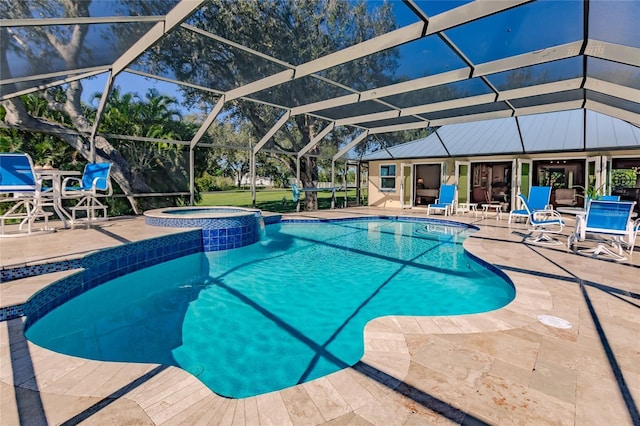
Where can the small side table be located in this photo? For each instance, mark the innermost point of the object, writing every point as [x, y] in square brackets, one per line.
[497, 207]
[578, 211]
[468, 207]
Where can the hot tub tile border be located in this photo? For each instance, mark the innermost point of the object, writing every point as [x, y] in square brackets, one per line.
[217, 233]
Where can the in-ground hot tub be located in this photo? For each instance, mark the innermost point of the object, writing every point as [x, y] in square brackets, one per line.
[222, 227]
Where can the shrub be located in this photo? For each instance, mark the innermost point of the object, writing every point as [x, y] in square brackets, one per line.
[207, 183]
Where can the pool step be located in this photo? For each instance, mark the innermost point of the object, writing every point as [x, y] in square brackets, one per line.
[15, 272]
[14, 294]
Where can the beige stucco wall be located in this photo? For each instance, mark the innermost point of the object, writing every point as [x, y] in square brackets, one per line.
[380, 198]
[388, 198]
[383, 198]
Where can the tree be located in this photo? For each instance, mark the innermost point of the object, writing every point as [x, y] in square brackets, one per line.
[62, 47]
[163, 166]
[233, 156]
[266, 166]
[293, 31]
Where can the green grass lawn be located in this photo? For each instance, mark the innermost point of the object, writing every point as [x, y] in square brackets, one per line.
[272, 200]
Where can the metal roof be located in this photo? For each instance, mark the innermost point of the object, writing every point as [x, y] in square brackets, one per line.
[549, 132]
[458, 62]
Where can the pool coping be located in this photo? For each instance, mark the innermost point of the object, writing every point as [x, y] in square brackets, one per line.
[228, 211]
[387, 355]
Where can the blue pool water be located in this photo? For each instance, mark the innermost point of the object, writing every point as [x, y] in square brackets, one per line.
[283, 311]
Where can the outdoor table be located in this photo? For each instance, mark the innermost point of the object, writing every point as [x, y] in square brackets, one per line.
[468, 207]
[53, 198]
[497, 207]
[578, 211]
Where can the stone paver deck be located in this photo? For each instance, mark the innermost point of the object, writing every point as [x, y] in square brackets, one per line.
[502, 367]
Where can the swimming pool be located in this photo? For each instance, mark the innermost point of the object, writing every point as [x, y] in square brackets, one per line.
[284, 311]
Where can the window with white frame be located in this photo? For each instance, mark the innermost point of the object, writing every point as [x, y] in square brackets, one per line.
[387, 177]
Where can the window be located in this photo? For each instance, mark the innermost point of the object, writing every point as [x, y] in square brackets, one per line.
[388, 177]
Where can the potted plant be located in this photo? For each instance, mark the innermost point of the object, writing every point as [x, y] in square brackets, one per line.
[591, 192]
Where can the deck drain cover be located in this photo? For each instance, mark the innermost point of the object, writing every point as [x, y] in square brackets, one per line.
[552, 321]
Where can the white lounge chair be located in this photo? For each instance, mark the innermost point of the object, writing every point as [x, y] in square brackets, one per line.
[634, 235]
[609, 224]
[544, 222]
[446, 200]
[18, 184]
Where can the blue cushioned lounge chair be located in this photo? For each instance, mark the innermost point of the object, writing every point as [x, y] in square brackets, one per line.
[93, 184]
[609, 224]
[635, 233]
[543, 221]
[539, 197]
[445, 201]
[18, 184]
[296, 192]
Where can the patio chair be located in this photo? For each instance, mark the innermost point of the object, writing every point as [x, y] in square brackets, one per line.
[603, 198]
[539, 197]
[566, 197]
[480, 195]
[542, 221]
[446, 200]
[94, 184]
[18, 184]
[296, 192]
[609, 224]
[635, 232]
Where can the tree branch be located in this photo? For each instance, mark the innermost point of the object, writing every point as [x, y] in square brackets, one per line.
[52, 104]
[26, 51]
[71, 50]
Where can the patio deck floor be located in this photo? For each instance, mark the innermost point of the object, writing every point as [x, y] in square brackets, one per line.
[502, 367]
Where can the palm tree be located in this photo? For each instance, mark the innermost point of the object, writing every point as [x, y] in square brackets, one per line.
[163, 166]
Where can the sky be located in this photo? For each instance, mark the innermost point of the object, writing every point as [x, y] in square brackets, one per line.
[136, 84]
[495, 37]
[130, 83]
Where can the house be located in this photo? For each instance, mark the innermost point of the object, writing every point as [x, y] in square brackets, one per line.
[496, 159]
